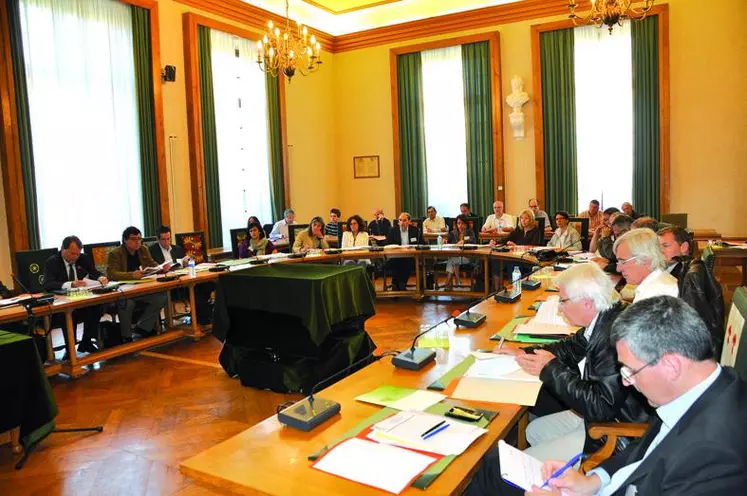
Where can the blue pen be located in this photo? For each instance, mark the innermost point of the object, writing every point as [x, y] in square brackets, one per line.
[562, 469]
[443, 427]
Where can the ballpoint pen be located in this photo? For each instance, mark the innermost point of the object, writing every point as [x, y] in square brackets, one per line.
[562, 469]
[423, 435]
[433, 433]
[500, 345]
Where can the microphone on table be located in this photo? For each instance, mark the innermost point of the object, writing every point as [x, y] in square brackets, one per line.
[308, 413]
[32, 301]
[506, 296]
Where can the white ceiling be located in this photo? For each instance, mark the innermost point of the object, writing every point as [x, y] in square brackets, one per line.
[372, 17]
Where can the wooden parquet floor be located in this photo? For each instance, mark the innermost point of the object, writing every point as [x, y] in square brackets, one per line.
[163, 406]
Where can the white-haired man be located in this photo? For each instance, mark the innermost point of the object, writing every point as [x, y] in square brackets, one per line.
[580, 373]
[695, 444]
[641, 262]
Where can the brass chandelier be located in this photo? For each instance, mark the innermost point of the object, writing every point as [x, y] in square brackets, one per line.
[288, 51]
[610, 12]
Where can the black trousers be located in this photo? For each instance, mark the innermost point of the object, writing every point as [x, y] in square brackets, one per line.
[401, 269]
[89, 316]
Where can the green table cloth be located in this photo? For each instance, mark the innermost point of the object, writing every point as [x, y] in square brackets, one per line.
[318, 295]
[26, 396]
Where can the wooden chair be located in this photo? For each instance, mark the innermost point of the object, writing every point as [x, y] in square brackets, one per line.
[99, 252]
[193, 244]
[293, 231]
[237, 237]
[734, 355]
[30, 268]
[581, 225]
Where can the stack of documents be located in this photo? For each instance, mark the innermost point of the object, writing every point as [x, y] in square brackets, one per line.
[376, 465]
[534, 328]
[497, 379]
[426, 432]
[401, 398]
[518, 468]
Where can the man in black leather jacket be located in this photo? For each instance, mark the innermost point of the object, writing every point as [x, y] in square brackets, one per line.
[697, 285]
[581, 372]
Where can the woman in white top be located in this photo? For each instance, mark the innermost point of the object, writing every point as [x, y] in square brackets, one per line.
[355, 236]
[565, 237]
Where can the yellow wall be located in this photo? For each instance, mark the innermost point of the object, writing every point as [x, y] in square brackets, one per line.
[345, 110]
[708, 83]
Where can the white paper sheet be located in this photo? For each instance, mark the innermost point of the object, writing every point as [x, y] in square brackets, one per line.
[418, 400]
[518, 468]
[508, 390]
[493, 368]
[543, 329]
[406, 429]
[378, 465]
[549, 312]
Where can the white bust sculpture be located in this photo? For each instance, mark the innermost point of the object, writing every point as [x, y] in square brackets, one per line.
[516, 100]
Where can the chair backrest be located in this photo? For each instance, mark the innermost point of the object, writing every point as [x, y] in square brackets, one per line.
[30, 268]
[150, 239]
[734, 353]
[450, 223]
[237, 237]
[193, 244]
[293, 231]
[675, 219]
[267, 228]
[581, 225]
[99, 252]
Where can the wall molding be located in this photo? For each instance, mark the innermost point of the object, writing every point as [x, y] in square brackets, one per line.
[257, 17]
[662, 12]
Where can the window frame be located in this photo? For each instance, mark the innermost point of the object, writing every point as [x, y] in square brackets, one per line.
[190, 22]
[10, 148]
[496, 90]
[662, 13]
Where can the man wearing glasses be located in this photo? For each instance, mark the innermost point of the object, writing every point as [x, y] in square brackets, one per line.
[696, 443]
[641, 262]
[580, 376]
[127, 264]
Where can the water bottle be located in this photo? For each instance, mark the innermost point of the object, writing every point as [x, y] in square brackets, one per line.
[191, 265]
[439, 241]
[516, 280]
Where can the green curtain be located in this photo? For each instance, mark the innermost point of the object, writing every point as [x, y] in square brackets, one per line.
[646, 131]
[146, 119]
[413, 172]
[209, 139]
[559, 120]
[277, 177]
[478, 113]
[24, 123]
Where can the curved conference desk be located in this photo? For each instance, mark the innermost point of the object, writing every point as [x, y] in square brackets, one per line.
[74, 366]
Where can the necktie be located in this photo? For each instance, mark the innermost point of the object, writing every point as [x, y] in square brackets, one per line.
[70, 272]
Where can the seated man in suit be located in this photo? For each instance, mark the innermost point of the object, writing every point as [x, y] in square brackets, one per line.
[580, 376]
[641, 262]
[465, 210]
[403, 234]
[620, 224]
[380, 225]
[126, 263]
[695, 444]
[67, 269]
[164, 251]
[695, 280]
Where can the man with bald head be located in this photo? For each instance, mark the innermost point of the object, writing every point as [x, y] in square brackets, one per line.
[498, 221]
[380, 225]
[534, 206]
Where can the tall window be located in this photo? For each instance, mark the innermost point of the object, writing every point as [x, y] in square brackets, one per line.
[444, 125]
[241, 121]
[604, 115]
[83, 112]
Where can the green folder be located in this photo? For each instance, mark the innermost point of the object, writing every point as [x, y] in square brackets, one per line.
[456, 371]
[507, 333]
[432, 473]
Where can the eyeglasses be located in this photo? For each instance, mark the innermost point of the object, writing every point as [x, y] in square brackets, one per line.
[628, 374]
[623, 262]
[563, 300]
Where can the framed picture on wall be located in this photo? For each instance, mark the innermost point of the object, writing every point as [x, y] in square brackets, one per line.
[366, 166]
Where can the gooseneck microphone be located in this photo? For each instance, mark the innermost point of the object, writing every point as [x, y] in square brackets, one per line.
[306, 414]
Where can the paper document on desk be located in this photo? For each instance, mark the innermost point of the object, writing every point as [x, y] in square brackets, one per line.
[90, 283]
[406, 429]
[533, 328]
[518, 468]
[493, 368]
[549, 312]
[382, 466]
[401, 398]
[508, 390]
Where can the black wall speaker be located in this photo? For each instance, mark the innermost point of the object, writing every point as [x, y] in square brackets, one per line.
[168, 74]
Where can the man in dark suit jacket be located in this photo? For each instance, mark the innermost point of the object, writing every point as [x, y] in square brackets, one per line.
[698, 442]
[402, 234]
[163, 249]
[380, 225]
[67, 269]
